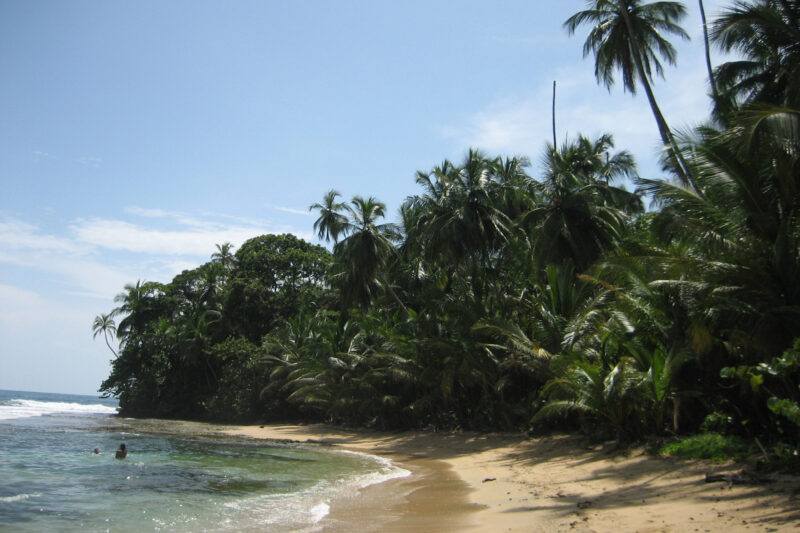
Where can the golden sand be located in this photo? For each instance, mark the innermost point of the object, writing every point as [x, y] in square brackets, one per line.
[503, 482]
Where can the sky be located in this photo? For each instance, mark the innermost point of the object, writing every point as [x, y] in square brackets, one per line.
[135, 136]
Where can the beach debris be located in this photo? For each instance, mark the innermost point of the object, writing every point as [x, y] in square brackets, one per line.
[584, 504]
[743, 477]
[488, 479]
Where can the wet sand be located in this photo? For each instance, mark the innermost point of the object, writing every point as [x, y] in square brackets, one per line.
[503, 482]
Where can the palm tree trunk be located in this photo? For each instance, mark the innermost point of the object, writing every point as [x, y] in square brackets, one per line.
[554, 115]
[397, 299]
[676, 413]
[105, 335]
[711, 81]
[663, 128]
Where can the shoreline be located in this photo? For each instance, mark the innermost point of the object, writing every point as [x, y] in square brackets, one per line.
[487, 483]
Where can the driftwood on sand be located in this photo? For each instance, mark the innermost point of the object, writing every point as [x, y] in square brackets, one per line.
[743, 477]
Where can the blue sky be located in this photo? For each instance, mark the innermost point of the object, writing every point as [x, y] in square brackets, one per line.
[134, 136]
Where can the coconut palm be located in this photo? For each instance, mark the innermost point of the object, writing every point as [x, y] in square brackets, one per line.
[363, 255]
[765, 33]
[626, 35]
[461, 216]
[331, 221]
[707, 45]
[224, 255]
[105, 323]
[579, 215]
[137, 304]
[746, 245]
[608, 397]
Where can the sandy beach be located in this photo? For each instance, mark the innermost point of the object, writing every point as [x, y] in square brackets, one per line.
[505, 482]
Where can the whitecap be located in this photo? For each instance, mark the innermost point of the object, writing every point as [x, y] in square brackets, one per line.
[19, 408]
[319, 511]
[19, 497]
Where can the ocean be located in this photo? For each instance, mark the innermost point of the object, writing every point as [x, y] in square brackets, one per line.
[173, 479]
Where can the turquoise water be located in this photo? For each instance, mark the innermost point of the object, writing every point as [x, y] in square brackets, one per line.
[51, 481]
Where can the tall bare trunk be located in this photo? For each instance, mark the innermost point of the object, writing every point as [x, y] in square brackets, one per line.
[684, 173]
[554, 116]
[711, 80]
[676, 413]
[397, 299]
[105, 334]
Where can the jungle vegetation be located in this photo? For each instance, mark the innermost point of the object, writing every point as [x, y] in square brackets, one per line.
[507, 298]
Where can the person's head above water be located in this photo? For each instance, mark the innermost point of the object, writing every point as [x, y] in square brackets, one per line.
[122, 452]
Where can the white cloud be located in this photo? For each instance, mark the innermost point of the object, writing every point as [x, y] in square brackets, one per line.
[294, 211]
[90, 161]
[197, 241]
[19, 235]
[177, 216]
[521, 124]
[96, 257]
[39, 155]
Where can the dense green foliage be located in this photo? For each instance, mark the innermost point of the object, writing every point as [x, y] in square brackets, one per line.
[509, 299]
[712, 446]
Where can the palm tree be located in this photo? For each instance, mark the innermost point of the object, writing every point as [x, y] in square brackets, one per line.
[136, 303]
[766, 33]
[364, 254]
[105, 323]
[224, 255]
[461, 215]
[331, 222]
[627, 35]
[610, 397]
[707, 46]
[579, 214]
[746, 245]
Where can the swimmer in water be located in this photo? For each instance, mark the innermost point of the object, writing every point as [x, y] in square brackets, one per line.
[122, 453]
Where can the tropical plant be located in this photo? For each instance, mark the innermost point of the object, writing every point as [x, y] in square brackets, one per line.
[607, 397]
[626, 35]
[579, 215]
[331, 222]
[460, 216]
[363, 255]
[765, 34]
[105, 323]
[224, 255]
[139, 305]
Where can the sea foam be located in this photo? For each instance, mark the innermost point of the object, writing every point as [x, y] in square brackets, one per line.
[17, 408]
[311, 506]
[19, 497]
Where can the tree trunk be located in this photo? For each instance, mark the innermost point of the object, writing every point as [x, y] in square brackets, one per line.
[711, 81]
[676, 414]
[663, 128]
[554, 116]
[397, 299]
[105, 335]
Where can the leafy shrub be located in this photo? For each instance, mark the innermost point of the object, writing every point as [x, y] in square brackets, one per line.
[714, 446]
[717, 422]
